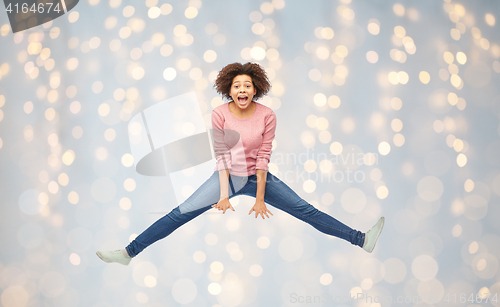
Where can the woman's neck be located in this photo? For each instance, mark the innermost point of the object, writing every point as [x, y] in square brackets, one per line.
[242, 113]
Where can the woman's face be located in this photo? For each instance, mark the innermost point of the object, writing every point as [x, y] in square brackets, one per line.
[242, 91]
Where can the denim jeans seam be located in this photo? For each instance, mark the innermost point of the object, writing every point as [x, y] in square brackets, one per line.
[317, 222]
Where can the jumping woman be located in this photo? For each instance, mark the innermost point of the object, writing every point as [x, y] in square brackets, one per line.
[255, 125]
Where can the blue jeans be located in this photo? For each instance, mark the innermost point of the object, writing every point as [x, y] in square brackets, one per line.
[277, 194]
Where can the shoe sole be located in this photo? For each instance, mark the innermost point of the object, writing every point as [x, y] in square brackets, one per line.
[98, 255]
[378, 233]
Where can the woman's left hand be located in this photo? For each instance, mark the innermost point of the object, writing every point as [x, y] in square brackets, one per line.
[260, 208]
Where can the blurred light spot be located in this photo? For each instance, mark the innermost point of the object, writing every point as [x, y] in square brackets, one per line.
[142, 298]
[430, 188]
[396, 125]
[212, 28]
[166, 8]
[456, 231]
[369, 158]
[101, 153]
[382, 192]
[314, 75]
[232, 224]
[455, 34]
[52, 284]
[372, 57]
[214, 288]
[75, 107]
[325, 279]
[73, 197]
[376, 174]
[267, 8]
[14, 296]
[461, 58]
[191, 12]
[154, 12]
[129, 184]
[199, 257]
[255, 270]
[63, 179]
[309, 186]
[325, 137]
[128, 11]
[384, 148]
[353, 200]
[334, 101]
[110, 134]
[216, 267]
[258, 53]
[307, 139]
[327, 199]
[104, 109]
[327, 33]
[398, 9]
[50, 114]
[398, 139]
[127, 160]
[169, 74]
[150, 281]
[183, 64]
[125, 203]
[310, 166]
[322, 52]
[263, 242]
[73, 17]
[424, 267]
[473, 247]
[424, 77]
[336, 148]
[72, 64]
[211, 239]
[461, 160]
[374, 26]
[68, 157]
[399, 31]
[74, 259]
[210, 56]
[347, 125]
[490, 19]
[77, 132]
[396, 103]
[395, 270]
[290, 249]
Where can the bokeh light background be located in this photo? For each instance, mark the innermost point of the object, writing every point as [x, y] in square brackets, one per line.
[413, 84]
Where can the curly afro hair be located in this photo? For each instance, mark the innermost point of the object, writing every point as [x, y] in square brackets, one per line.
[226, 75]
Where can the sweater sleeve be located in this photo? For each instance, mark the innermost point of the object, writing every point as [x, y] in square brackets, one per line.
[222, 150]
[264, 154]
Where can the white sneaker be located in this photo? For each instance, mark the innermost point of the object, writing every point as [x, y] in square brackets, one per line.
[371, 235]
[113, 256]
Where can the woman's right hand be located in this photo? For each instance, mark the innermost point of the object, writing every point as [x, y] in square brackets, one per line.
[223, 205]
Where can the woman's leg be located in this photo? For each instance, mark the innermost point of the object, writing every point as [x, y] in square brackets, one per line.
[200, 201]
[279, 195]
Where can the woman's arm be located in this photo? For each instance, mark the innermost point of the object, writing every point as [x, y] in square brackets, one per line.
[224, 183]
[263, 157]
[260, 205]
[224, 203]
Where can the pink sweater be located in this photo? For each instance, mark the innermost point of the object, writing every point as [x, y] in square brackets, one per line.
[243, 154]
